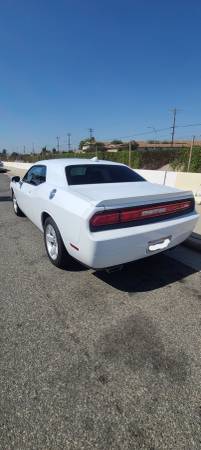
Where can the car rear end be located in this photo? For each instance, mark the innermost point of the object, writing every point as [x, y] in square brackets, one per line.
[116, 235]
[130, 220]
[139, 238]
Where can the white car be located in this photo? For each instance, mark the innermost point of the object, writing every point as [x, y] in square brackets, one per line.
[101, 213]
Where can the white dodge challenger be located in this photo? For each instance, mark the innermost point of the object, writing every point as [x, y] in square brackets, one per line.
[101, 213]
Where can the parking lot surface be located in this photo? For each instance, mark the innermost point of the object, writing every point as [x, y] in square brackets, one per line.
[90, 360]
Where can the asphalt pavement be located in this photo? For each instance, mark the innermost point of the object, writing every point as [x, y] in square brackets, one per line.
[90, 360]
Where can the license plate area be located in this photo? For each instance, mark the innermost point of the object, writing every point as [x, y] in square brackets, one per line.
[159, 244]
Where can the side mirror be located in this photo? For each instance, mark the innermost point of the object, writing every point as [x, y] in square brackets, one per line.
[15, 179]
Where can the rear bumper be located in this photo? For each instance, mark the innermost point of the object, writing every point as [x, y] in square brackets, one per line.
[113, 247]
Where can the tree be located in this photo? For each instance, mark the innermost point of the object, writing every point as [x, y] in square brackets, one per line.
[116, 142]
[134, 145]
[86, 141]
[4, 152]
[83, 142]
[44, 150]
[100, 146]
[14, 155]
[54, 150]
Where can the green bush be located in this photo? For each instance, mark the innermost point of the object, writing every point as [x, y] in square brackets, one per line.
[182, 159]
[140, 159]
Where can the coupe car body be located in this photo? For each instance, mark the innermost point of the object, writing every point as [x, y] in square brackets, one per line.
[101, 213]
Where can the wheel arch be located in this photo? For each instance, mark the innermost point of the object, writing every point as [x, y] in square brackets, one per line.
[44, 216]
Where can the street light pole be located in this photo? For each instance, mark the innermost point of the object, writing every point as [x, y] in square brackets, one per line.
[69, 141]
[58, 147]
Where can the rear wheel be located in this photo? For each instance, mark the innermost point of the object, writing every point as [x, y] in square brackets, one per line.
[54, 245]
[16, 208]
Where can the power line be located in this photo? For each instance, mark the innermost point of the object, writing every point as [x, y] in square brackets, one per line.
[152, 130]
[138, 134]
[158, 130]
[188, 125]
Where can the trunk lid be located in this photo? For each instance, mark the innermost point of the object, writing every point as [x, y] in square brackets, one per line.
[118, 195]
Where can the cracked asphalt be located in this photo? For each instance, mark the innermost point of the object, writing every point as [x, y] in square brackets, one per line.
[90, 360]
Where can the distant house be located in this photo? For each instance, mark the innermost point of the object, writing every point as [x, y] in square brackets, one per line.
[86, 147]
[112, 150]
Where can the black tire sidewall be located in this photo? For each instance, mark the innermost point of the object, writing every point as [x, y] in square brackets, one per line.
[63, 256]
[18, 212]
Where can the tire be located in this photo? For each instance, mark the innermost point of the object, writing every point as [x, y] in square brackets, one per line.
[16, 208]
[54, 245]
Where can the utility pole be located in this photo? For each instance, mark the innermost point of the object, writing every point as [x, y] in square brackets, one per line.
[129, 153]
[58, 146]
[173, 125]
[24, 149]
[69, 141]
[33, 149]
[190, 154]
[91, 131]
[175, 111]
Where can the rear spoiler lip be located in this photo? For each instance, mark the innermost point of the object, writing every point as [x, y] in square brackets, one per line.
[147, 220]
[144, 200]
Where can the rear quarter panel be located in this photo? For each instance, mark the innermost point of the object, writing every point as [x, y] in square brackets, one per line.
[67, 210]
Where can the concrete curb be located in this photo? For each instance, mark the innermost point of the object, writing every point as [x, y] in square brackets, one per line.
[194, 242]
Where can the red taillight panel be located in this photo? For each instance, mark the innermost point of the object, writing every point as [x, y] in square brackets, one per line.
[140, 214]
[129, 215]
[101, 219]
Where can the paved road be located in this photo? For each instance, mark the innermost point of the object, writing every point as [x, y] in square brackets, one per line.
[95, 361]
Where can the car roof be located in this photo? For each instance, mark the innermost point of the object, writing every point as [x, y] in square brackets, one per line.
[63, 162]
[55, 168]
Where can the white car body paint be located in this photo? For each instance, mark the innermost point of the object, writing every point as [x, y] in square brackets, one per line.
[71, 207]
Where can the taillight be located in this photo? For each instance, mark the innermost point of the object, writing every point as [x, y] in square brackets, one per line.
[104, 219]
[138, 215]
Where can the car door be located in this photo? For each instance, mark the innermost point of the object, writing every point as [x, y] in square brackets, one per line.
[28, 195]
[21, 190]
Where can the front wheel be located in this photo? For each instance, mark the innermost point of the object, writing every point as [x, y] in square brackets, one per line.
[54, 245]
[16, 208]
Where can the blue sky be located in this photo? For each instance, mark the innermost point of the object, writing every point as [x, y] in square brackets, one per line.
[116, 66]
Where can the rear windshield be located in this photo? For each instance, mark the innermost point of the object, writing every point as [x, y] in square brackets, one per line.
[100, 173]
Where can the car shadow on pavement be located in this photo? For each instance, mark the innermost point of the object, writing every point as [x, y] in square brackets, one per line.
[147, 274]
[5, 198]
[74, 266]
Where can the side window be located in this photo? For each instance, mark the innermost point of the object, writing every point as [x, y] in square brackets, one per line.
[36, 175]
